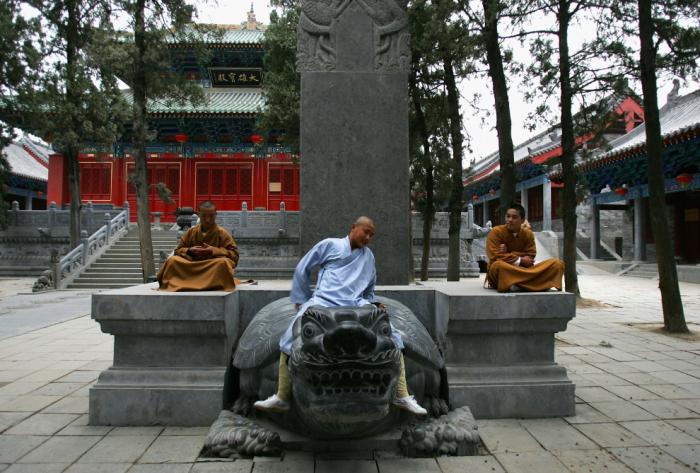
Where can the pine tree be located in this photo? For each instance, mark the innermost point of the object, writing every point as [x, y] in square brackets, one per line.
[19, 60]
[145, 66]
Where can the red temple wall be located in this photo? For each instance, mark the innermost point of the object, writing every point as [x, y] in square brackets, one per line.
[227, 180]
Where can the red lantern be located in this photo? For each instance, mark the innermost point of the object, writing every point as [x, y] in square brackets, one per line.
[256, 139]
[621, 191]
[684, 179]
[39, 193]
[181, 138]
[475, 198]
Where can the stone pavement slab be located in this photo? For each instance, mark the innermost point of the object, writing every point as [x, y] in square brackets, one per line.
[479, 464]
[60, 450]
[13, 447]
[501, 436]
[238, 466]
[659, 432]
[622, 411]
[155, 468]
[591, 461]
[611, 435]
[408, 465]
[530, 462]
[690, 455]
[118, 449]
[557, 434]
[42, 424]
[36, 468]
[284, 467]
[665, 409]
[173, 449]
[346, 466]
[99, 468]
[649, 460]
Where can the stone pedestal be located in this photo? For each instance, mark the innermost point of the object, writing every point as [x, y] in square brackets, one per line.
[171, 349]
[500, 351]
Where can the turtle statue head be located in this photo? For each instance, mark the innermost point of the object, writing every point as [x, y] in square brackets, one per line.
[344, 368]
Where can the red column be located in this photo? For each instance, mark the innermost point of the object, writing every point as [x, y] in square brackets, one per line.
[187, 183]
[57, 186]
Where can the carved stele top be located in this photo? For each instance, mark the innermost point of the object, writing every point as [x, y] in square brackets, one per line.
[318, 42]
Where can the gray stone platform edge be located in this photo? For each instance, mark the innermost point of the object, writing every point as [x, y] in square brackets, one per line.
[171, 349]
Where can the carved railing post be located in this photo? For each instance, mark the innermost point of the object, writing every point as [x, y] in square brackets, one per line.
[85, 245]
[52, 217]
[244, 214]
[126, 208]
[470, 217]
[108, 223]
[55, 269]
[15, 213]
[283, 219]
[156, 220]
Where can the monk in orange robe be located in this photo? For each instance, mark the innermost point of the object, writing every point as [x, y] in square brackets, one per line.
[511, 251]
[204, 260]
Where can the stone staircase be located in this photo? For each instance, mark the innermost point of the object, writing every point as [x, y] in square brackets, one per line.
[583, 243]
[120, 265]
[644, 270]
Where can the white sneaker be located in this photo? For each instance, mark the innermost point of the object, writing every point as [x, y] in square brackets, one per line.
[409, 404]
[272, 404]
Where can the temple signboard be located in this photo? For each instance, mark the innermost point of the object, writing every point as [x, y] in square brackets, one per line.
[235, 77]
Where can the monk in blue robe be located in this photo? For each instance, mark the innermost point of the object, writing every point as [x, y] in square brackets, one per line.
[347, 277]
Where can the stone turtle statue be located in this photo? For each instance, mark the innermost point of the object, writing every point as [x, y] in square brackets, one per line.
[344, 368]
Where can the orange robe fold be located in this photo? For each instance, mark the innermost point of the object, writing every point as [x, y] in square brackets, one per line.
[502, 271]
[181, 273]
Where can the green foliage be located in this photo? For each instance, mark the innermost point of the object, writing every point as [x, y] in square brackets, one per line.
[281, 83]
[19, 60]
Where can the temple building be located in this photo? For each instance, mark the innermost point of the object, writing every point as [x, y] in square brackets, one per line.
[617, 182]
[613, 218]
[210, 151]
[29, 170]
[535, 161]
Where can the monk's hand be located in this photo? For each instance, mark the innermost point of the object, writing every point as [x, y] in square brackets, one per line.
[199, 252]
[207, 251]
[502, 248]
[296, 306]
[526, 261]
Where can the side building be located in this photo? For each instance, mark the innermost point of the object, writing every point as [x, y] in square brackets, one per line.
[27, 180]
[208, 151]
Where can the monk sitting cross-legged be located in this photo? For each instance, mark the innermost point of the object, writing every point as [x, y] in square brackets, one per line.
[511, 251]
[204, 260]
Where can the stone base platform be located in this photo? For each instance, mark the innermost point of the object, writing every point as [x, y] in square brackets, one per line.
[171, 349]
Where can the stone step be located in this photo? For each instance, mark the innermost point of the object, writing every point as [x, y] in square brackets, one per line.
[643, 274]
[106, 285]
[122, 280]
[113, 275]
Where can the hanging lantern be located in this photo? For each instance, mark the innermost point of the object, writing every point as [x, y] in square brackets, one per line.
[621, 191]
[256, 139]
[475, 197]
[39, 193]
[492, 191]
[684, 179]
[181, 138]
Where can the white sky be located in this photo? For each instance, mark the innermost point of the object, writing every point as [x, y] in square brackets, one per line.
[483, 136]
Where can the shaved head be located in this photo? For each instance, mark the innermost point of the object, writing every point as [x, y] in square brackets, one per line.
[207, 204]
[364, 221]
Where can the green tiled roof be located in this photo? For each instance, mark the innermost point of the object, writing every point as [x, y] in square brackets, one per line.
[217, 102]
[226, 34]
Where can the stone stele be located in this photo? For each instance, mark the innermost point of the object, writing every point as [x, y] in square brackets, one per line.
[353, 56]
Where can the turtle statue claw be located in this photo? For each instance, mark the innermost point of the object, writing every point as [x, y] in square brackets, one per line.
[344, 368]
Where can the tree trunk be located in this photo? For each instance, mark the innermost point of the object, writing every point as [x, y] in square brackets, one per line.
[74, 192]
[72, 150]
[502, 105]
[568, 150]
[140, 135]
[674, 319]
[453, 258]
[429, 211]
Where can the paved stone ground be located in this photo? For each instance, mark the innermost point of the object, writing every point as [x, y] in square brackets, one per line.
[638, 395]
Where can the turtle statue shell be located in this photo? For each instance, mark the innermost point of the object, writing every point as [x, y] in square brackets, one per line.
[344, 366]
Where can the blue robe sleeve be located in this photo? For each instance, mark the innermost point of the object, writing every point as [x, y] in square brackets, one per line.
[369, 291]
[301, 283]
